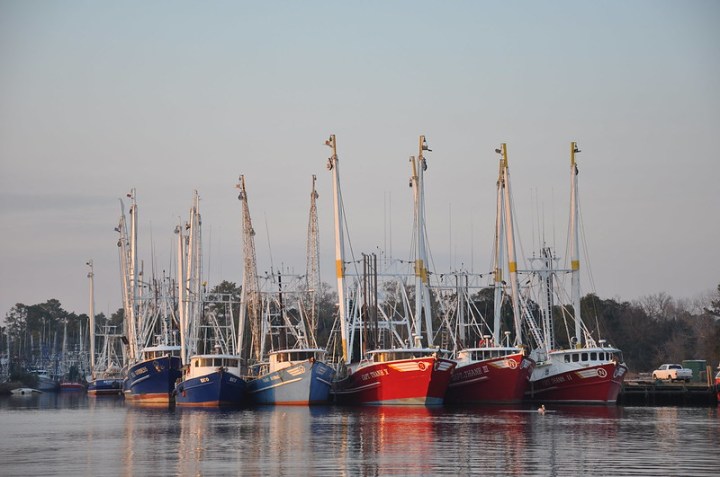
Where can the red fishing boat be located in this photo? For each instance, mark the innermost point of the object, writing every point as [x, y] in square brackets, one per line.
[491, 372]
[397, 376]
[406, 372]
[498, 375]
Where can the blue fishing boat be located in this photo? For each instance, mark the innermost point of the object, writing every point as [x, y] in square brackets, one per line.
[152, 380]
[211, 380]
[105, 387]
[293, 376]
[286, 365]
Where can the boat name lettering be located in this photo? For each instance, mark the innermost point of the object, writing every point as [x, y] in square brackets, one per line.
[205, 380]
[558, 379]
[140, 371]
[375, 374]
[470, 373]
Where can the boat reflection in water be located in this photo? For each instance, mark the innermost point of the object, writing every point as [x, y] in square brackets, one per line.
[388, 440]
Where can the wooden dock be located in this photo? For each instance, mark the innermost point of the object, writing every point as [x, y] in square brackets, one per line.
[651, 393]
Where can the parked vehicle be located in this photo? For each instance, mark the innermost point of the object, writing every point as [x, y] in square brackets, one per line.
[673, 372]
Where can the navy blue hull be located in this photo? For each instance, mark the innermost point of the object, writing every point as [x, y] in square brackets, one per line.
[211, 390]
[105, 387]
[152, 381]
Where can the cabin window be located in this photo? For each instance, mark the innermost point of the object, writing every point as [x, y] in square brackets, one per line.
[593, 356]
[567, 358]
[584, 357]
[575, 358]
[197, 363]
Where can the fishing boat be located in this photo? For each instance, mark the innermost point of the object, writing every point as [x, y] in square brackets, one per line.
[152, 379]
[286, 366]
[491, 371]
[106, 377]
[292, 377]
[71, 386]
[105, 373]
[211, 380]
[589, 371]
[407, 372]
[45, 381]
[154, 363]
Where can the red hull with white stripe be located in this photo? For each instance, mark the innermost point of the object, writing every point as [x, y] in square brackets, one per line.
[589, 382]
[500, 380]
[419, 381]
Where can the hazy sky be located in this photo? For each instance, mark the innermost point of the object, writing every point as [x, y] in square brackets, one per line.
[168, 97]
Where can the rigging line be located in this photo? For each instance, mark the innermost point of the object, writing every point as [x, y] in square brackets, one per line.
[347, 229]
[267, 233]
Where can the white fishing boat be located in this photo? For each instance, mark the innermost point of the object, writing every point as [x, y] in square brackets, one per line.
[589, 370]
[286, 365]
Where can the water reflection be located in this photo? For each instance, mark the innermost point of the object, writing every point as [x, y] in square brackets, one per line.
[386, 440]
[73, 435]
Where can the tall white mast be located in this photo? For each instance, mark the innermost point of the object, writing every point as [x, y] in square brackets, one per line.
[334, 167]
[91, 323]
[126, 245]
[510, 243]
[575, 245]
[133, 275]
[182, 309]
[499, 255]
[422, 292]
[191, 281]
[250, 300]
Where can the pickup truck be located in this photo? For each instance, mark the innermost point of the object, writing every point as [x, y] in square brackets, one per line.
[673, 372]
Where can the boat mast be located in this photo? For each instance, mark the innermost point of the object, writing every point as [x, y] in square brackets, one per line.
[250, 298]
[575, 245]
[422, 295]
[181, 291]
[193, 278]
[133, 272]
[510, 245]
[91, 321]
[313, 262]
[499, 262]
[334, 168]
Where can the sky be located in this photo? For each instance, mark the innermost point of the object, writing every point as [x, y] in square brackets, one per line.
[169, 97]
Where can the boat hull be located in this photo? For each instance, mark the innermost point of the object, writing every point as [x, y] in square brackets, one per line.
[152, 381]
[303, 383]
[419, 381]
[46, 383]
[105, 387]
[216, 389]
[598, 384]
[501, 380]
[71, 386]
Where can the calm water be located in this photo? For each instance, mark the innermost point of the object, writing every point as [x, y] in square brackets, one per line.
[71, 434]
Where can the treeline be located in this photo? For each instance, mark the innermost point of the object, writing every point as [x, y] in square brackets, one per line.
[650, 331]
